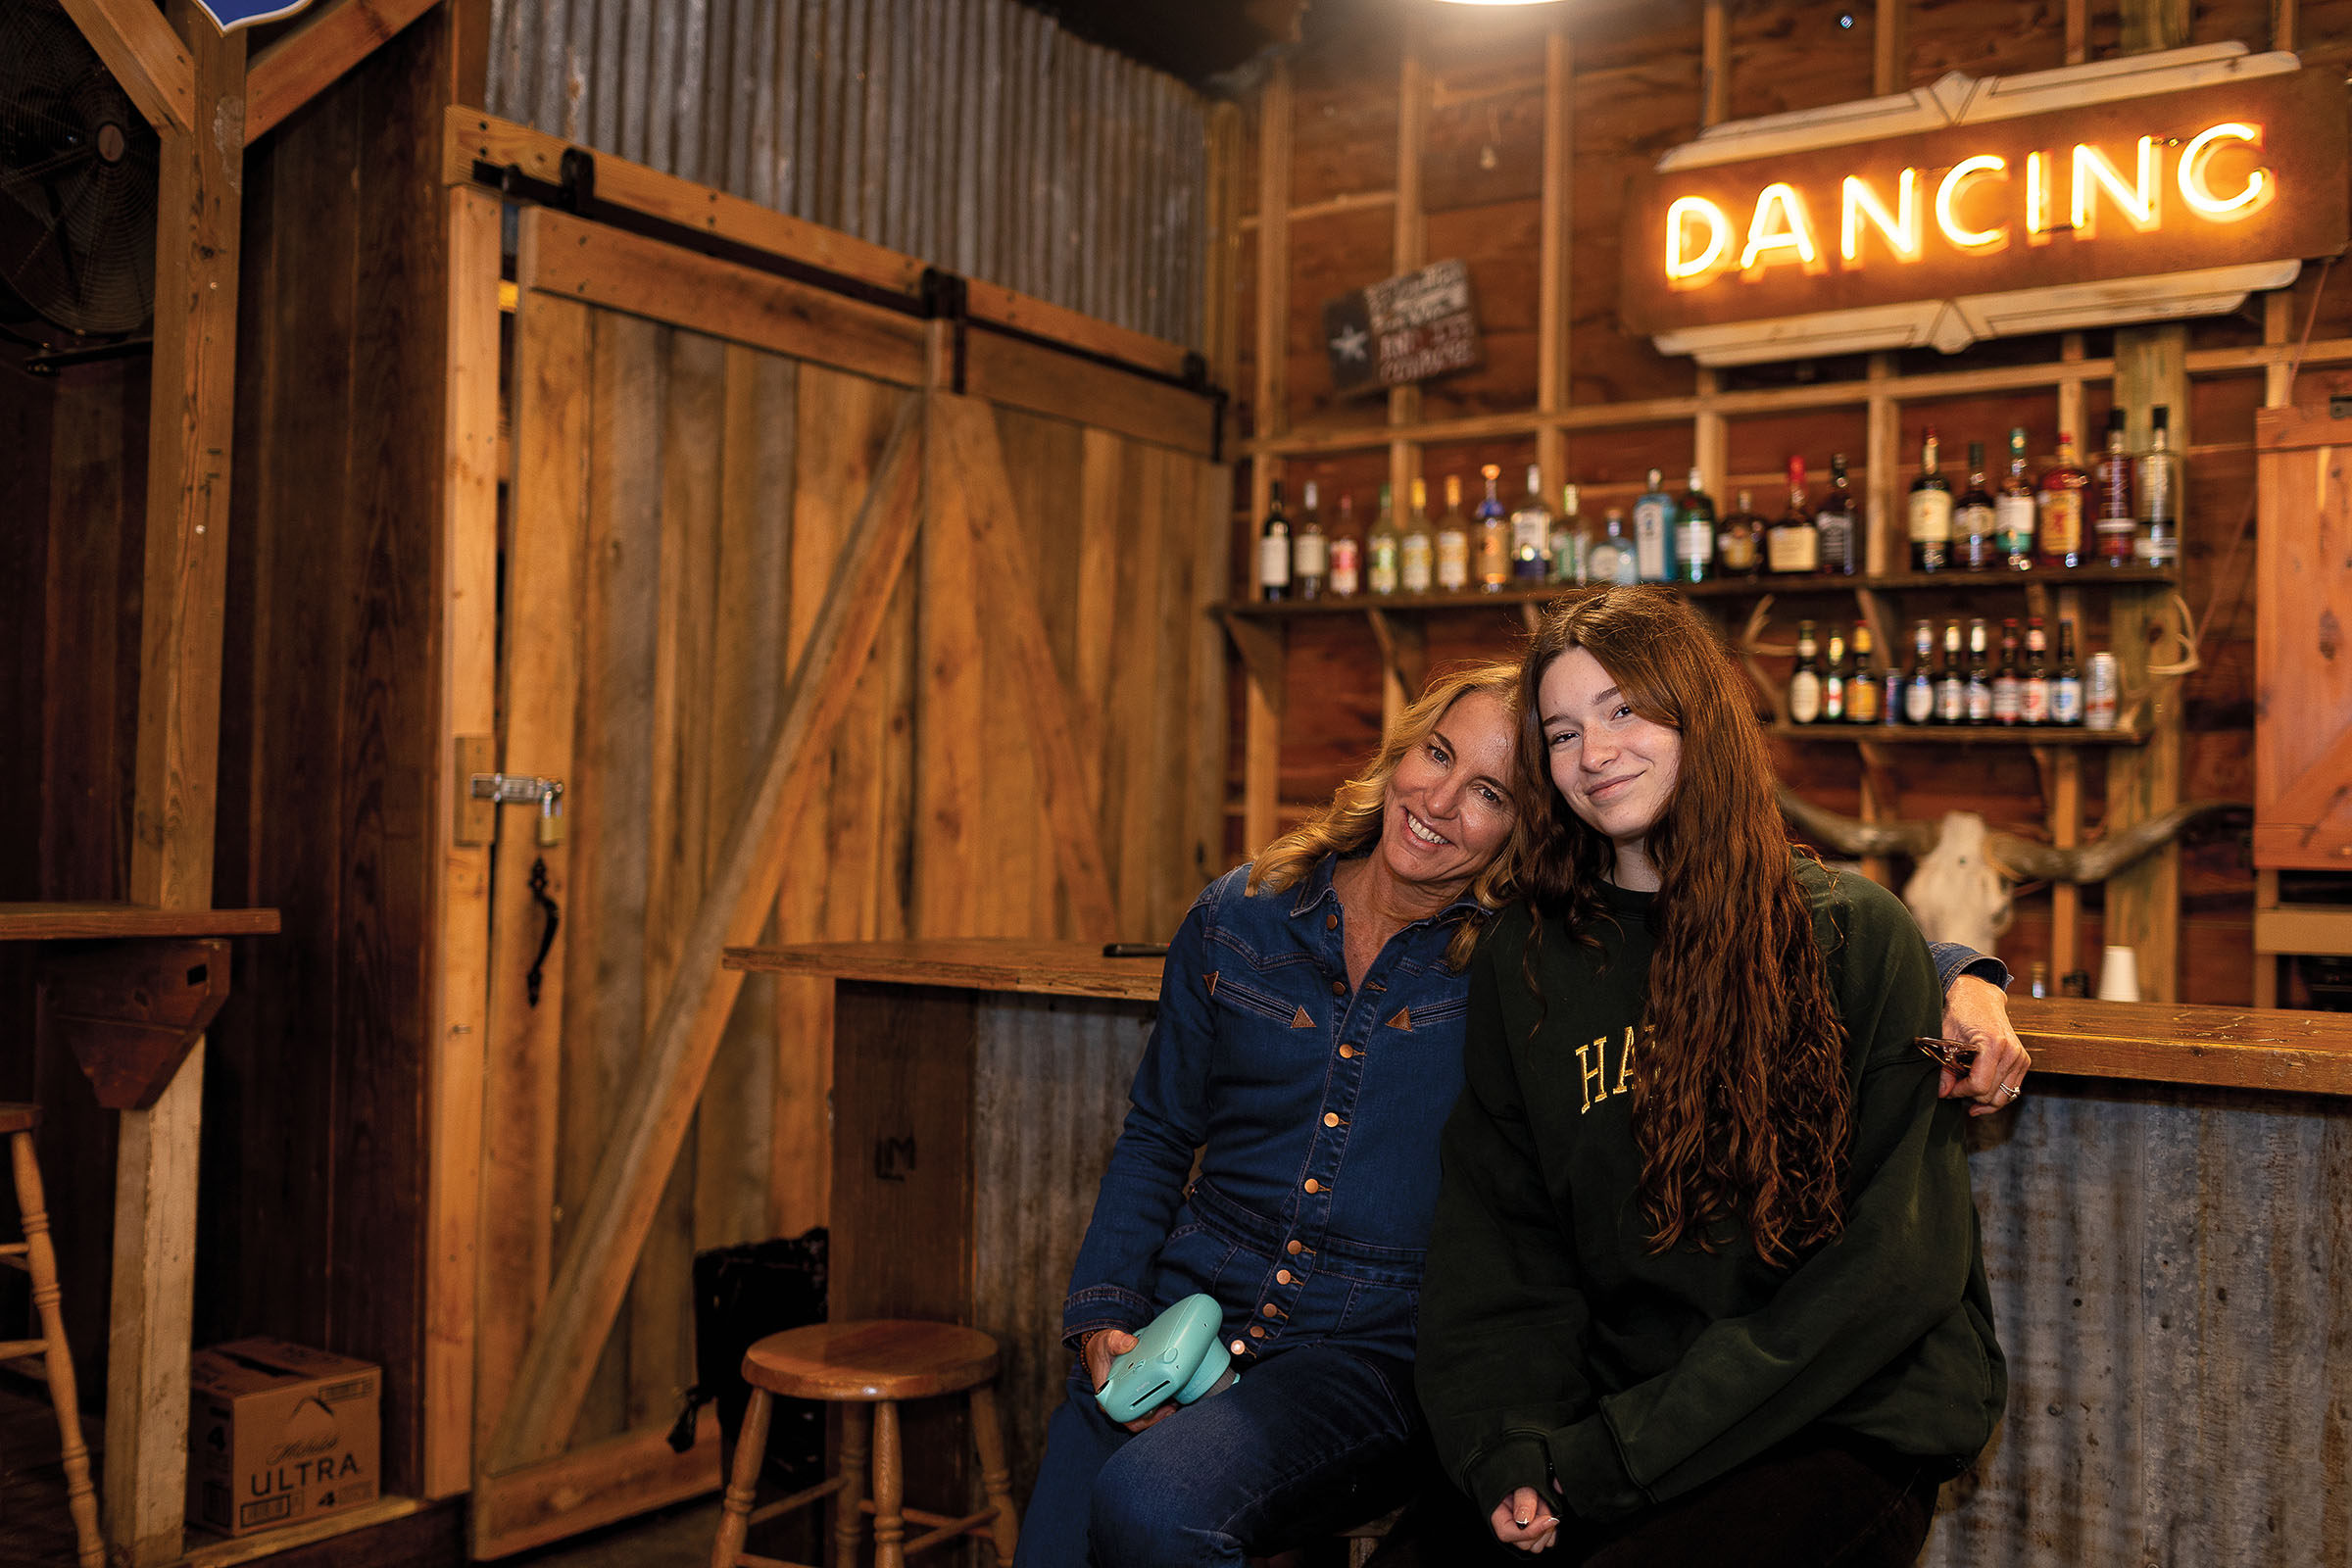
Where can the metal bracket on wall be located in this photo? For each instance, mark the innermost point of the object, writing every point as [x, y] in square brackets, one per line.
[518, 789]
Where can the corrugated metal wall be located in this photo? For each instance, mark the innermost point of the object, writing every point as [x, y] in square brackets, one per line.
[974, 134]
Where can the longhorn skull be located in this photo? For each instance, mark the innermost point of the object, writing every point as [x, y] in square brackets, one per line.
[1960, 890]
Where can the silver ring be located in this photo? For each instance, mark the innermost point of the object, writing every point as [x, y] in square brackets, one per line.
[2014, 1091]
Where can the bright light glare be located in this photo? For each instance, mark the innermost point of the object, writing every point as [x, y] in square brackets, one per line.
[2200, 196]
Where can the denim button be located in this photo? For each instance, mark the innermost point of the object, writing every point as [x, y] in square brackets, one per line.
[1331, 1118]
[1339, 987]
[1295, 1247]
[1313, 1186]
[1331, 922]
[1346, 1052]
[1241, 1346]
[1282, 1276]
[1268, 1309]
[1257, 1332]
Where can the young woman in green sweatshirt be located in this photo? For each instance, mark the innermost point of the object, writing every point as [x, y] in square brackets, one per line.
[1704, 1282]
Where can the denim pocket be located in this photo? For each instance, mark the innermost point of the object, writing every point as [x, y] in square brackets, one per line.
[1243, 997]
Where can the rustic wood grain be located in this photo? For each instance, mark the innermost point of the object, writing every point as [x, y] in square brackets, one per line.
[145, 55]
[329, 42]
[67, 920]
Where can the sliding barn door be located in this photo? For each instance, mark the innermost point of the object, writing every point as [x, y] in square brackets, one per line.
[1020, 732]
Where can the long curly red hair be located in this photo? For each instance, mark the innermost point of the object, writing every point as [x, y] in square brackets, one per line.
[1741, 1110]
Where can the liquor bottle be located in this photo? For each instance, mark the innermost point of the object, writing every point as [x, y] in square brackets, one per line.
[1311, 551]
[2015, 508]
[1694, 535]
[1891, 682]
[1386, 550]
[1793, 543]
[1951, 682]
[1347, 552]
[2118, 524]
[1930, 511]
[1653, 531]
[2034, 708]
[1571, 541]
[1833, 526]
[2065, 685]
[1978, 700]
[1804, 682]
[1740, 541]
[1918, 688]
[1274, 550]
[2160, 493]
[1612, 556]
[2061, 516]
[1976, 528]
[1833, 683]
[2008, 685]
[1531, 532]
[1453, 541]
[1862, 691]
[1417, 551]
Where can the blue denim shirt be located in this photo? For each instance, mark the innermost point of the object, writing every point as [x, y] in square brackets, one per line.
[1317, 1112]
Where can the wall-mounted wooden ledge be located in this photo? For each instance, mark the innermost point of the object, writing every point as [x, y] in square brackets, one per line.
[56, 922]
[2295, 1053]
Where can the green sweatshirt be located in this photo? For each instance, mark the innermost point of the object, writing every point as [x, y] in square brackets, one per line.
[1557, 1351]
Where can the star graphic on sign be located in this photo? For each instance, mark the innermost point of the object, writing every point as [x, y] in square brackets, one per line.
[1352, 344]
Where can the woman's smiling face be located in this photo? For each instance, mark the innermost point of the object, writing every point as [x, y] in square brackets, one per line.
[1450, 809]
[1615, 769]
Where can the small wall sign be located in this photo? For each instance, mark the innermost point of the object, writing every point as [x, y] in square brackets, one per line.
[1403, 329]
[2145, 187]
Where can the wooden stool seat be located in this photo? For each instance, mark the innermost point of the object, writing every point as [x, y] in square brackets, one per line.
[867, 1368]
[17, 1118]
[886, 1359]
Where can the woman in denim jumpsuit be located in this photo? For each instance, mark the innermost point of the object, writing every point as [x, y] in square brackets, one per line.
[1313, 1072]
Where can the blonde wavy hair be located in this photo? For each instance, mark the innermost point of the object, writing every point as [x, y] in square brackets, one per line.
[1353, 820]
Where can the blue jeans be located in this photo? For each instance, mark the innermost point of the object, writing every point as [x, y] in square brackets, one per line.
[1308, 1442]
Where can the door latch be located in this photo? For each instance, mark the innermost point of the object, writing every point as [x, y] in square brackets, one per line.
[523, 789]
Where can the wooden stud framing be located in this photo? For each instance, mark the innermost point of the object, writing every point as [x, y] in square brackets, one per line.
[1260, 647]
[199, 213]
[470, 698]
[329, 42]
[594, 1271]
[1409, 247]
[144, 54]
[1555, 242]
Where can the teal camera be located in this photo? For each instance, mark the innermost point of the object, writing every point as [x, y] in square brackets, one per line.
[1177, 1356]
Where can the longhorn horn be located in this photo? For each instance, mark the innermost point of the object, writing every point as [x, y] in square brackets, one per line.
[2022, 859]
[1849, 836]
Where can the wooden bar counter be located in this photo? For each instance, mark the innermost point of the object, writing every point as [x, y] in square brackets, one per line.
[2166, 1226]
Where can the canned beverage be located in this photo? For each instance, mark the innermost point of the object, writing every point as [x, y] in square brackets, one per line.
[2100, 692]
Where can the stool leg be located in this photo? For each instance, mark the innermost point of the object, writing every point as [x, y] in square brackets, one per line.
[848, 1525]
[996, 1477]
[41, 1258]
[735, 1509]
[890, 1483]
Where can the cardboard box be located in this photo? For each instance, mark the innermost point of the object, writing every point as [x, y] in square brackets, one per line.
[279, 1432]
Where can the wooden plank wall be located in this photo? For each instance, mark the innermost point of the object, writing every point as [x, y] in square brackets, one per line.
[678, 503]
[1636, 90]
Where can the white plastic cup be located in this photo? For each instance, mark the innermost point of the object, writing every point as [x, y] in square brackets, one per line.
[2119, 975]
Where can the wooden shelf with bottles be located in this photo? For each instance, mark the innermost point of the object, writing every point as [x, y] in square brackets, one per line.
[2035, 735]
[1744, 587]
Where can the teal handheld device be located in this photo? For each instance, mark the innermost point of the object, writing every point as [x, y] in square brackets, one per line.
[1177, 1356]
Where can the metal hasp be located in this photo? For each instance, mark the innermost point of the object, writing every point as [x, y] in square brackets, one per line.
[524, 789]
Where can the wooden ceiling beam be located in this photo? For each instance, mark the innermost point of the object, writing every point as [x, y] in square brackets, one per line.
[145, 55]
[311, 58]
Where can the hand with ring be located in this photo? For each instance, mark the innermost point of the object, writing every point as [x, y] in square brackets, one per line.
[1976, 1013]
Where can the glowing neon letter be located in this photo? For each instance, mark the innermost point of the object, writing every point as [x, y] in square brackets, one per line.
[1780, 223]
[1859, 201]
[2037, 198]
[2259, 187]
[1947, 197]
[2093, 174]
[1681, 268]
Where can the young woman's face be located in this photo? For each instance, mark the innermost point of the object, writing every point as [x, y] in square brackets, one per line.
[1615, 769]
[1449, 809]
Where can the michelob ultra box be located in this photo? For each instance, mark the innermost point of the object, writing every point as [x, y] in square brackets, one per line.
[277, 1431]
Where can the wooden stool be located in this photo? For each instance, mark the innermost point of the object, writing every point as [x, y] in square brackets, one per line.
[37, 1257]
[855, 1365]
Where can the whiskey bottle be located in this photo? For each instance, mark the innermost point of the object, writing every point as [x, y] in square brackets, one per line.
[1836, 537]
[1804, 682]
[1794, 544]
[1274, 550]
[2061, 516]
[1311, 551]
[1694, 535]
[1453, 541]
[1740, 541]
[2160, 493]
[2118, 525]
[1493, 535]
[1930, 511]
[2014, 510]
[1385, 564]
[1974, 522]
